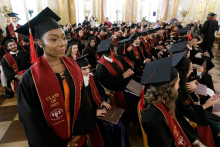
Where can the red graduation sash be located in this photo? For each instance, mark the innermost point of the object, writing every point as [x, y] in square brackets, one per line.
[179, 136]
[131, 63]
[12, 33]
[155, 39]
[51, 96]
[146, 46]
[96, 54]
[204, 131]
[136, 52]
[95, 136]
[161, 38]
[13, 65]
[166, 33]
[152, 43]
[119, 94]
[116, 42]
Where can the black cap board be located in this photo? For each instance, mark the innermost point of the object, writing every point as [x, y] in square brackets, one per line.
[73, 41]
[82, 61]
[144, 33]
[6, 40]
[1, 31]
[45, 21]
[183, 30]
[79, 24]
[133, 37]
[104, 45]
[117, 29]
[12, 14]
[133, 26]
[211, 14]
[115, 25]
[74, 25]
[78, 29]
[159, 72]
[177, 57]
[104, 29]
[178, 47]
[25, 38]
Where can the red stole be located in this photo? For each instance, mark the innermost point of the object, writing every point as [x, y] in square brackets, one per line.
[161, 38]
[51, 96]
[152, 43]
[136, 52]
[131, 63]
[95, 136]
[211, 18]
[21, 44]
[78, 55]
[155, 39]
[12, 63]
[96, 54]
[179, 136]
[116, 42]
[119, 94]
[166, 33]
[146, 46]
[189, 37]
[12, 33]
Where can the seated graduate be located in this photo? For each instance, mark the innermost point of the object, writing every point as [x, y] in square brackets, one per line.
[73, 51]
[132, 29]
[97, 36]
[112, 75]
[157, 106]
[146, 45]
[79, 38]
[110, 135]
[91, 49]
[25, 43]
[125, 33]
[123, 56]
[197, 114]
[104, 33]
[54, 111]
[137, 53]
[153, 44]
[15, 62]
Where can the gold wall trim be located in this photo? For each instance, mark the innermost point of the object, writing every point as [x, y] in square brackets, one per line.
[63, 9]
[72, 11]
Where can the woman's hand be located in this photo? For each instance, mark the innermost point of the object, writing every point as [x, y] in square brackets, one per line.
[211, 101]
[73, 141]
[200, 69]
[198, 144]
[191, 86]
[101, 112]
[106, 105]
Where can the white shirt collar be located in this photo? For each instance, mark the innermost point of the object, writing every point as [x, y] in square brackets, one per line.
[135, 45]
[86, 80]
[108, 59]
[190, 48]
[13, 52]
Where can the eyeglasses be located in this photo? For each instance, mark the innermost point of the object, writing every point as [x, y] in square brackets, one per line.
[12, 45]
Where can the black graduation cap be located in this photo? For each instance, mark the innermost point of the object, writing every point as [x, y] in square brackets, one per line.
[150, 31]
[25, 38]
[144, 33]
[211, 14]
[145, 26]
[73, 41]
[159, 72]
[177, 57]
[139, 27]
[12, 14]
[178, 47]
[132, 26]
[95, 29]
[117, 29]
[122, 43]
[82, 61]
[45, 21]
[123, 24]
[104, 45]
[104, 29]
[74, 25]
[183, 31]
[100, 25]
[133, 36]
[6, 40]
[105, 24]
[109, 35]
[78, 29]
[79, 24]
[115, 24]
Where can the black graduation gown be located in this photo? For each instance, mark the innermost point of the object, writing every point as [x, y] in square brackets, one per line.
[146, 54]
[139, 63]
[23, 62]
[39, 134]
[113, 135]
[158, 131]
[117, 83]
[91, 55]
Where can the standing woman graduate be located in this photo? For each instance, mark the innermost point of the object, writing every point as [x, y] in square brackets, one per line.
[52, 101]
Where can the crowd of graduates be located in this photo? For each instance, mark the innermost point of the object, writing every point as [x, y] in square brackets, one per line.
[67, 76]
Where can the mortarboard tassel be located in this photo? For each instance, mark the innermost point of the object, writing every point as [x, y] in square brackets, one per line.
[34, 57]
[113, 59]
[141, 105]
[75, 35]
[124, 49]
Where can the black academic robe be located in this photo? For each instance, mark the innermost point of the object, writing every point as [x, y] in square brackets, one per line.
[138, 62]
[117, 83]
[158, 131]
[39, 134]
[91, 55]
[113, 135]
[22, 59]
